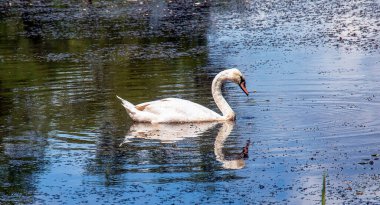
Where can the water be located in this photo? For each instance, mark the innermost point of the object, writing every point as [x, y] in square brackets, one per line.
[65, 138]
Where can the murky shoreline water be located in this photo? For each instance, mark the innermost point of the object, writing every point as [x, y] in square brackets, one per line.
[313, 65]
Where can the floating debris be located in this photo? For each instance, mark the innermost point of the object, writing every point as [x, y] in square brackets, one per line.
[359, 193]
[244, 153]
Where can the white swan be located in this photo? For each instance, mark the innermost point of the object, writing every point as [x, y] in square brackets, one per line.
[177, 110]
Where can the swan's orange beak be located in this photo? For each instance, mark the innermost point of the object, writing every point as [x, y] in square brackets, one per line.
[242, 86]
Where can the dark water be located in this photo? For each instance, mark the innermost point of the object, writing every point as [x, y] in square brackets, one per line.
[65, 138]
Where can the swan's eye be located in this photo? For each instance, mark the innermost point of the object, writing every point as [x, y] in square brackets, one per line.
[242, 80]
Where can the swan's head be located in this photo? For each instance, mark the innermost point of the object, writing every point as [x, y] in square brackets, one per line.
[237, 77]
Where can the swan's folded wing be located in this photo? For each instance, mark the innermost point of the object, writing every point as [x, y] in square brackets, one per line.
[150, 106]
[178, 110]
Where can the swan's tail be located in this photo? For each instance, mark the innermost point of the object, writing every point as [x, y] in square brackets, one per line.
[131, 109]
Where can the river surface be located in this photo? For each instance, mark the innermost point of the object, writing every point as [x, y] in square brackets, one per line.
[312, 69]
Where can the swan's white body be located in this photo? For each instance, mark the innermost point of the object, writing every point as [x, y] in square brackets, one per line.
[171, 110]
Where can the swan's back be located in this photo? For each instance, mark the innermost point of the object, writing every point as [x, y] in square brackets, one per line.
[174, 110]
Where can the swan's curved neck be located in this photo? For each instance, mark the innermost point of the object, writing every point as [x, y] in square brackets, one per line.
[222, 104]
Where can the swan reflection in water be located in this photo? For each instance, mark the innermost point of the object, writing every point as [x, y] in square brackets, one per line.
[170, 133]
